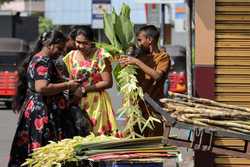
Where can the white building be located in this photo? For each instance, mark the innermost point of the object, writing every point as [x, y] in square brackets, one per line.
[25, 7]
[79, 12]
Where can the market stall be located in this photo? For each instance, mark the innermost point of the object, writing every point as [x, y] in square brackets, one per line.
[104, 151]
[207, 122]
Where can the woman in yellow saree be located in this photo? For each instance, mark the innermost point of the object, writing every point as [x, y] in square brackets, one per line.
[92, 66]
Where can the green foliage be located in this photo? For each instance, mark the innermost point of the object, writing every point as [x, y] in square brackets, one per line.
[57, 153]
[125, 11]
[3, 1]
[45, 24]
[120, 31]
[110, 48]
[118, 28]
[132, 93]
[109, 30]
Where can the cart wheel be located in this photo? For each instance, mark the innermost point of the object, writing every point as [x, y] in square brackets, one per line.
[8, 104]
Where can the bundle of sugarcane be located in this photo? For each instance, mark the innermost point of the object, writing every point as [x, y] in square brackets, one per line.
[207, 112]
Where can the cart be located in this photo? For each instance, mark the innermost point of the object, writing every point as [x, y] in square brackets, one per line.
[201, 139]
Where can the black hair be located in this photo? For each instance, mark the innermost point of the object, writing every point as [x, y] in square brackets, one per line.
[87, 32]
[72, 34]
[45, 39]
[48, 38]
[150, 31]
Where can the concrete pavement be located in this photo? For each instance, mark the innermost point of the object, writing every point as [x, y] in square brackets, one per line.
[7, 129]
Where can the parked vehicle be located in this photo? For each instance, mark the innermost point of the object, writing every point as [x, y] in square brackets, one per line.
[12, 52]
[176, 80]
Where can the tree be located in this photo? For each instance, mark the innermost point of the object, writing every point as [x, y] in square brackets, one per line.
[2, 1]
[45, 24]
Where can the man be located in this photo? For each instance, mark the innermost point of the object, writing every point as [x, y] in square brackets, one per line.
[153, 68]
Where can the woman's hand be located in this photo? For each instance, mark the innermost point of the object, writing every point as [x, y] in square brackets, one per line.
[73, 84]
[46, 88]
[79, 92]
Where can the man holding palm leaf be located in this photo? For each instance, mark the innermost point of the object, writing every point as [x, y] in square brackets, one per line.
[153, 67]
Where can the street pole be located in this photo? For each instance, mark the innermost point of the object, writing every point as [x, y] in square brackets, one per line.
[99, 35]
[30, 4]
[169, 13]
[162, 27]
[189, 46]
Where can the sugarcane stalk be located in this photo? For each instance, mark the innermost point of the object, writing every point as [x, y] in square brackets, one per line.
[179, 108]
[218, 116]
[206, 112]
[224, 123]
[165, 102]
[208, 102]
[198, 119]
[169, 110]
[246, 122]
[190, 121]
[239, 130]
[210, 113]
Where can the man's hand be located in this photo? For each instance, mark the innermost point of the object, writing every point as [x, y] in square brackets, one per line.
[128, 60]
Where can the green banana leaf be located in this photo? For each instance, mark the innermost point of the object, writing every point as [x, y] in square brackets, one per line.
[125, 11]
[116, 71]
[109, 29]
[110, 48]
[128, 30]
[123, 27]
[119, 32]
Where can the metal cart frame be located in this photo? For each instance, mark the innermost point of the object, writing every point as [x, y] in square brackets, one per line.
[203, 137]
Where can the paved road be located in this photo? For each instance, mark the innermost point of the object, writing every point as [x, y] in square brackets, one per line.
[7, 129]
[8, 124]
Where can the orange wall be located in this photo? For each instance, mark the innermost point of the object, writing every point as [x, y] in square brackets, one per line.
[204, 32]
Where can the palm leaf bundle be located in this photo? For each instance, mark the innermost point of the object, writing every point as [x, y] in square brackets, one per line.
[120, 31]
[134, 150]
[130, 155]
[95, 148]
[149, 147]
[58, 153]
[121, 143]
